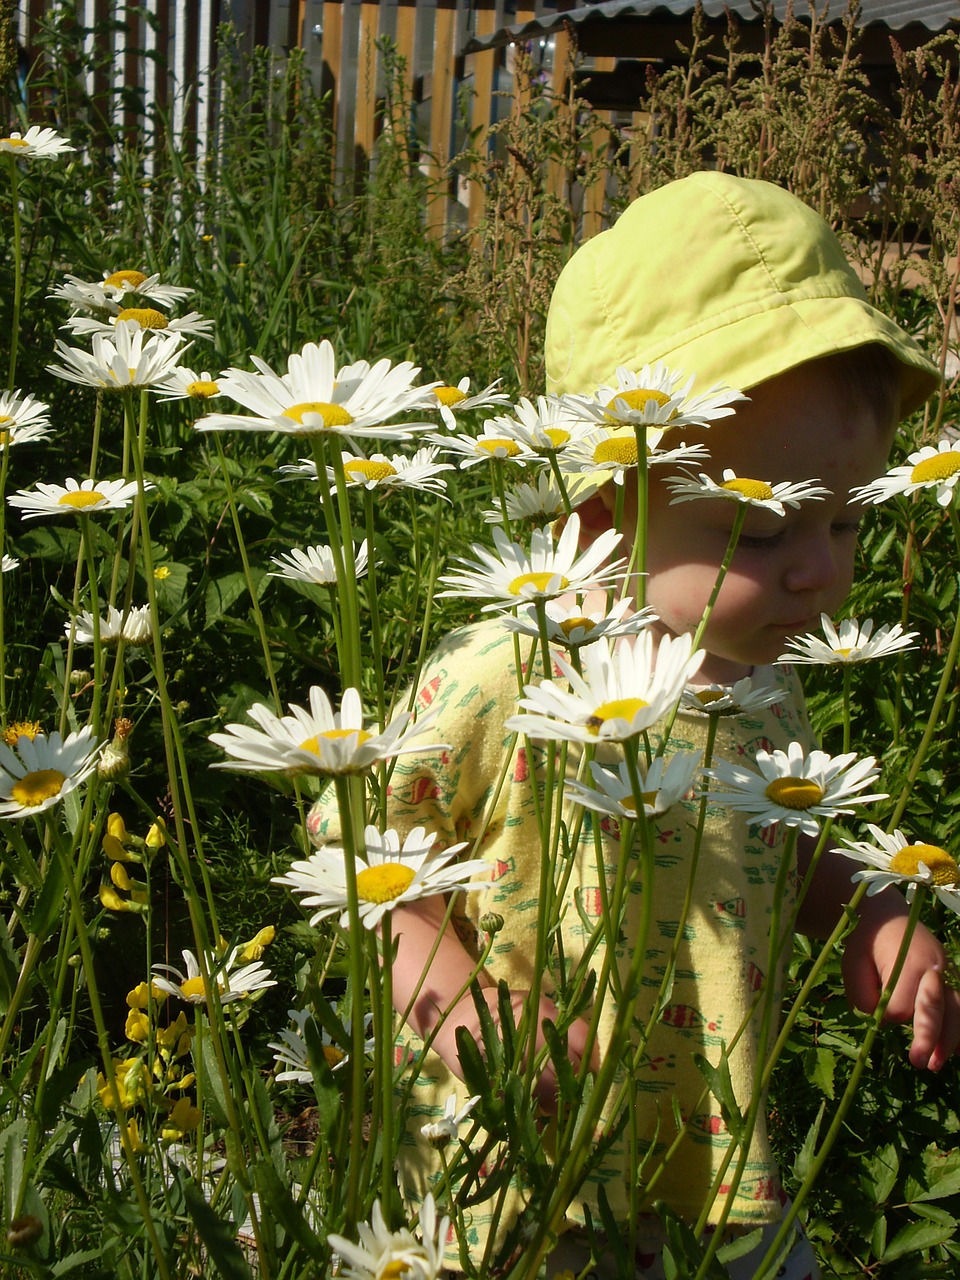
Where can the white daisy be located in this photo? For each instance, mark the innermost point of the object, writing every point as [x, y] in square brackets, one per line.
[622, 691]
[855, 642]
[313, 396]
[382, 1253]
[75, 497]
[234, 981]
[655, 397]
[795, 788]
[446, 1128]
[549, 426]
[454, 400]
[291, 1051]
[387, 874]
[543, 499]
[571, 625]
[928, 468]
[664, 784]
[43, 770]
[134, 628]
[490, 443]
[613, 449]
[513, 576]
[147, 318]
[132, 358]
[317, 741]
[730, 700]
[187, 384]
[22, 419]
[755, 493]
[315, 564]
[116, 290]
[378, 471]
[897, 861]
[9, 563]
[36, 144]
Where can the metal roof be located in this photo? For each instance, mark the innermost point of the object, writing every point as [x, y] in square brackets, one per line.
[934, 15]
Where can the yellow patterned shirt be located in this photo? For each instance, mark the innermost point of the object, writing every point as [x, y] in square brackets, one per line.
[471, 683]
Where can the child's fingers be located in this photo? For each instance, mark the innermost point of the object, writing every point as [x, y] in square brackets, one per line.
[949, 1040]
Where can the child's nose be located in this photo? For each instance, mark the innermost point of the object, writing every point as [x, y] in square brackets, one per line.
[814, 567]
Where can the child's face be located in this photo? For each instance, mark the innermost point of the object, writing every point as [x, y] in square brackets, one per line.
[786, 570]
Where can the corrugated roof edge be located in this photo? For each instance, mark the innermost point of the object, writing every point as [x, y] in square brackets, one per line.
[935, 15]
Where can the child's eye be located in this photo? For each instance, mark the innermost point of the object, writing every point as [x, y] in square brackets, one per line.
[760, 541]
[847, 528]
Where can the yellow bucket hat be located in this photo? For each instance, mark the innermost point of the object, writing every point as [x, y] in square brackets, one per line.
[730, 279]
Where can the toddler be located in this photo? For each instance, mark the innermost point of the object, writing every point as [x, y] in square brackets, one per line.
[733, 281]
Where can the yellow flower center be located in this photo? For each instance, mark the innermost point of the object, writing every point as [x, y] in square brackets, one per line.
[622, 451]
[394, 1270]
[313, 744]
[637, 399]
[333, 415]
[15, 142]
[556, 435]
[756, 490]
[132, 279]
[364, 469]
[844, 653]
[21, 729]
[907, 861]
[34, 788]
[618, 709]
[706, 696]
[383, 882]
[146, 317]
[569, 625]
[333, 1055]
[202, 389]
[536, 580]
[449, 395]
[940, 467]
[5, 418]
[193, 987]
[80, 498]
[492, 445]
[794, 793]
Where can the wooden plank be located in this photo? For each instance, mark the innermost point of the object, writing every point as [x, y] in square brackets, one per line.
[332, 56]
[595, 196]
[363, 134]
[401, 95]
[441, 116]
[481, 108]
[558, 177]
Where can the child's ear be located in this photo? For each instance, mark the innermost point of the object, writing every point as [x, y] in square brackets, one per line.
[596, 514]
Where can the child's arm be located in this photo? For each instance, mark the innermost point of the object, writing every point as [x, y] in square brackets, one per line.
[921, 996]
[415, 929]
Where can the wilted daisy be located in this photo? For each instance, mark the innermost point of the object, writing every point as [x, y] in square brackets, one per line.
[928, 468]
[9, 563]
[454, 400]
[387, 874]
[896, 861]
[854, 642]
[149, 318]
[36, 144]
[317, 741]
[796, 788]
[614, 449]
[22, 419]
[291, 1050]
[187, 384]
[513, 576]
[43, 769]
[664, 783]
[130, 359]
[572, 625]
[233, 981]
[655, 397]
[542, 499]
[313, 396]
[621, 692]
[315, 564]
[730, 700]
[755, 493]
[421, 472]
[382, 1253]
[134, 627]
[116, 290]
[74, 497]
[439, 1132]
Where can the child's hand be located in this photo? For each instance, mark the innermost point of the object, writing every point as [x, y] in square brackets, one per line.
[921, 995]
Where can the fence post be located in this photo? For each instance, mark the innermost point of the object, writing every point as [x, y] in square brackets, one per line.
[441, 116]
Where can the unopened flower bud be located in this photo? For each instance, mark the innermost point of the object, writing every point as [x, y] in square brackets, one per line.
[491, 922]
[24, 1231]
[79, 677]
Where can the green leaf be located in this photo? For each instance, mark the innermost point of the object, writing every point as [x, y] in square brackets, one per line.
[721, 1086]
[819, 1066]
[329, 1101]
[49, 904]
[916, 1236]
[224, 592]
[219, 1237]
[941, 1176]
[289, 1215]
[214, 1098]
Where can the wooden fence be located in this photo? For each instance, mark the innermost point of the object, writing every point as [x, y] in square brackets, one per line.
[165, 52]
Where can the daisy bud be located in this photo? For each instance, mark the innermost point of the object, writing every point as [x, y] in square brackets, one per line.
[491, 922]
[115, 761]
[24, 1231]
